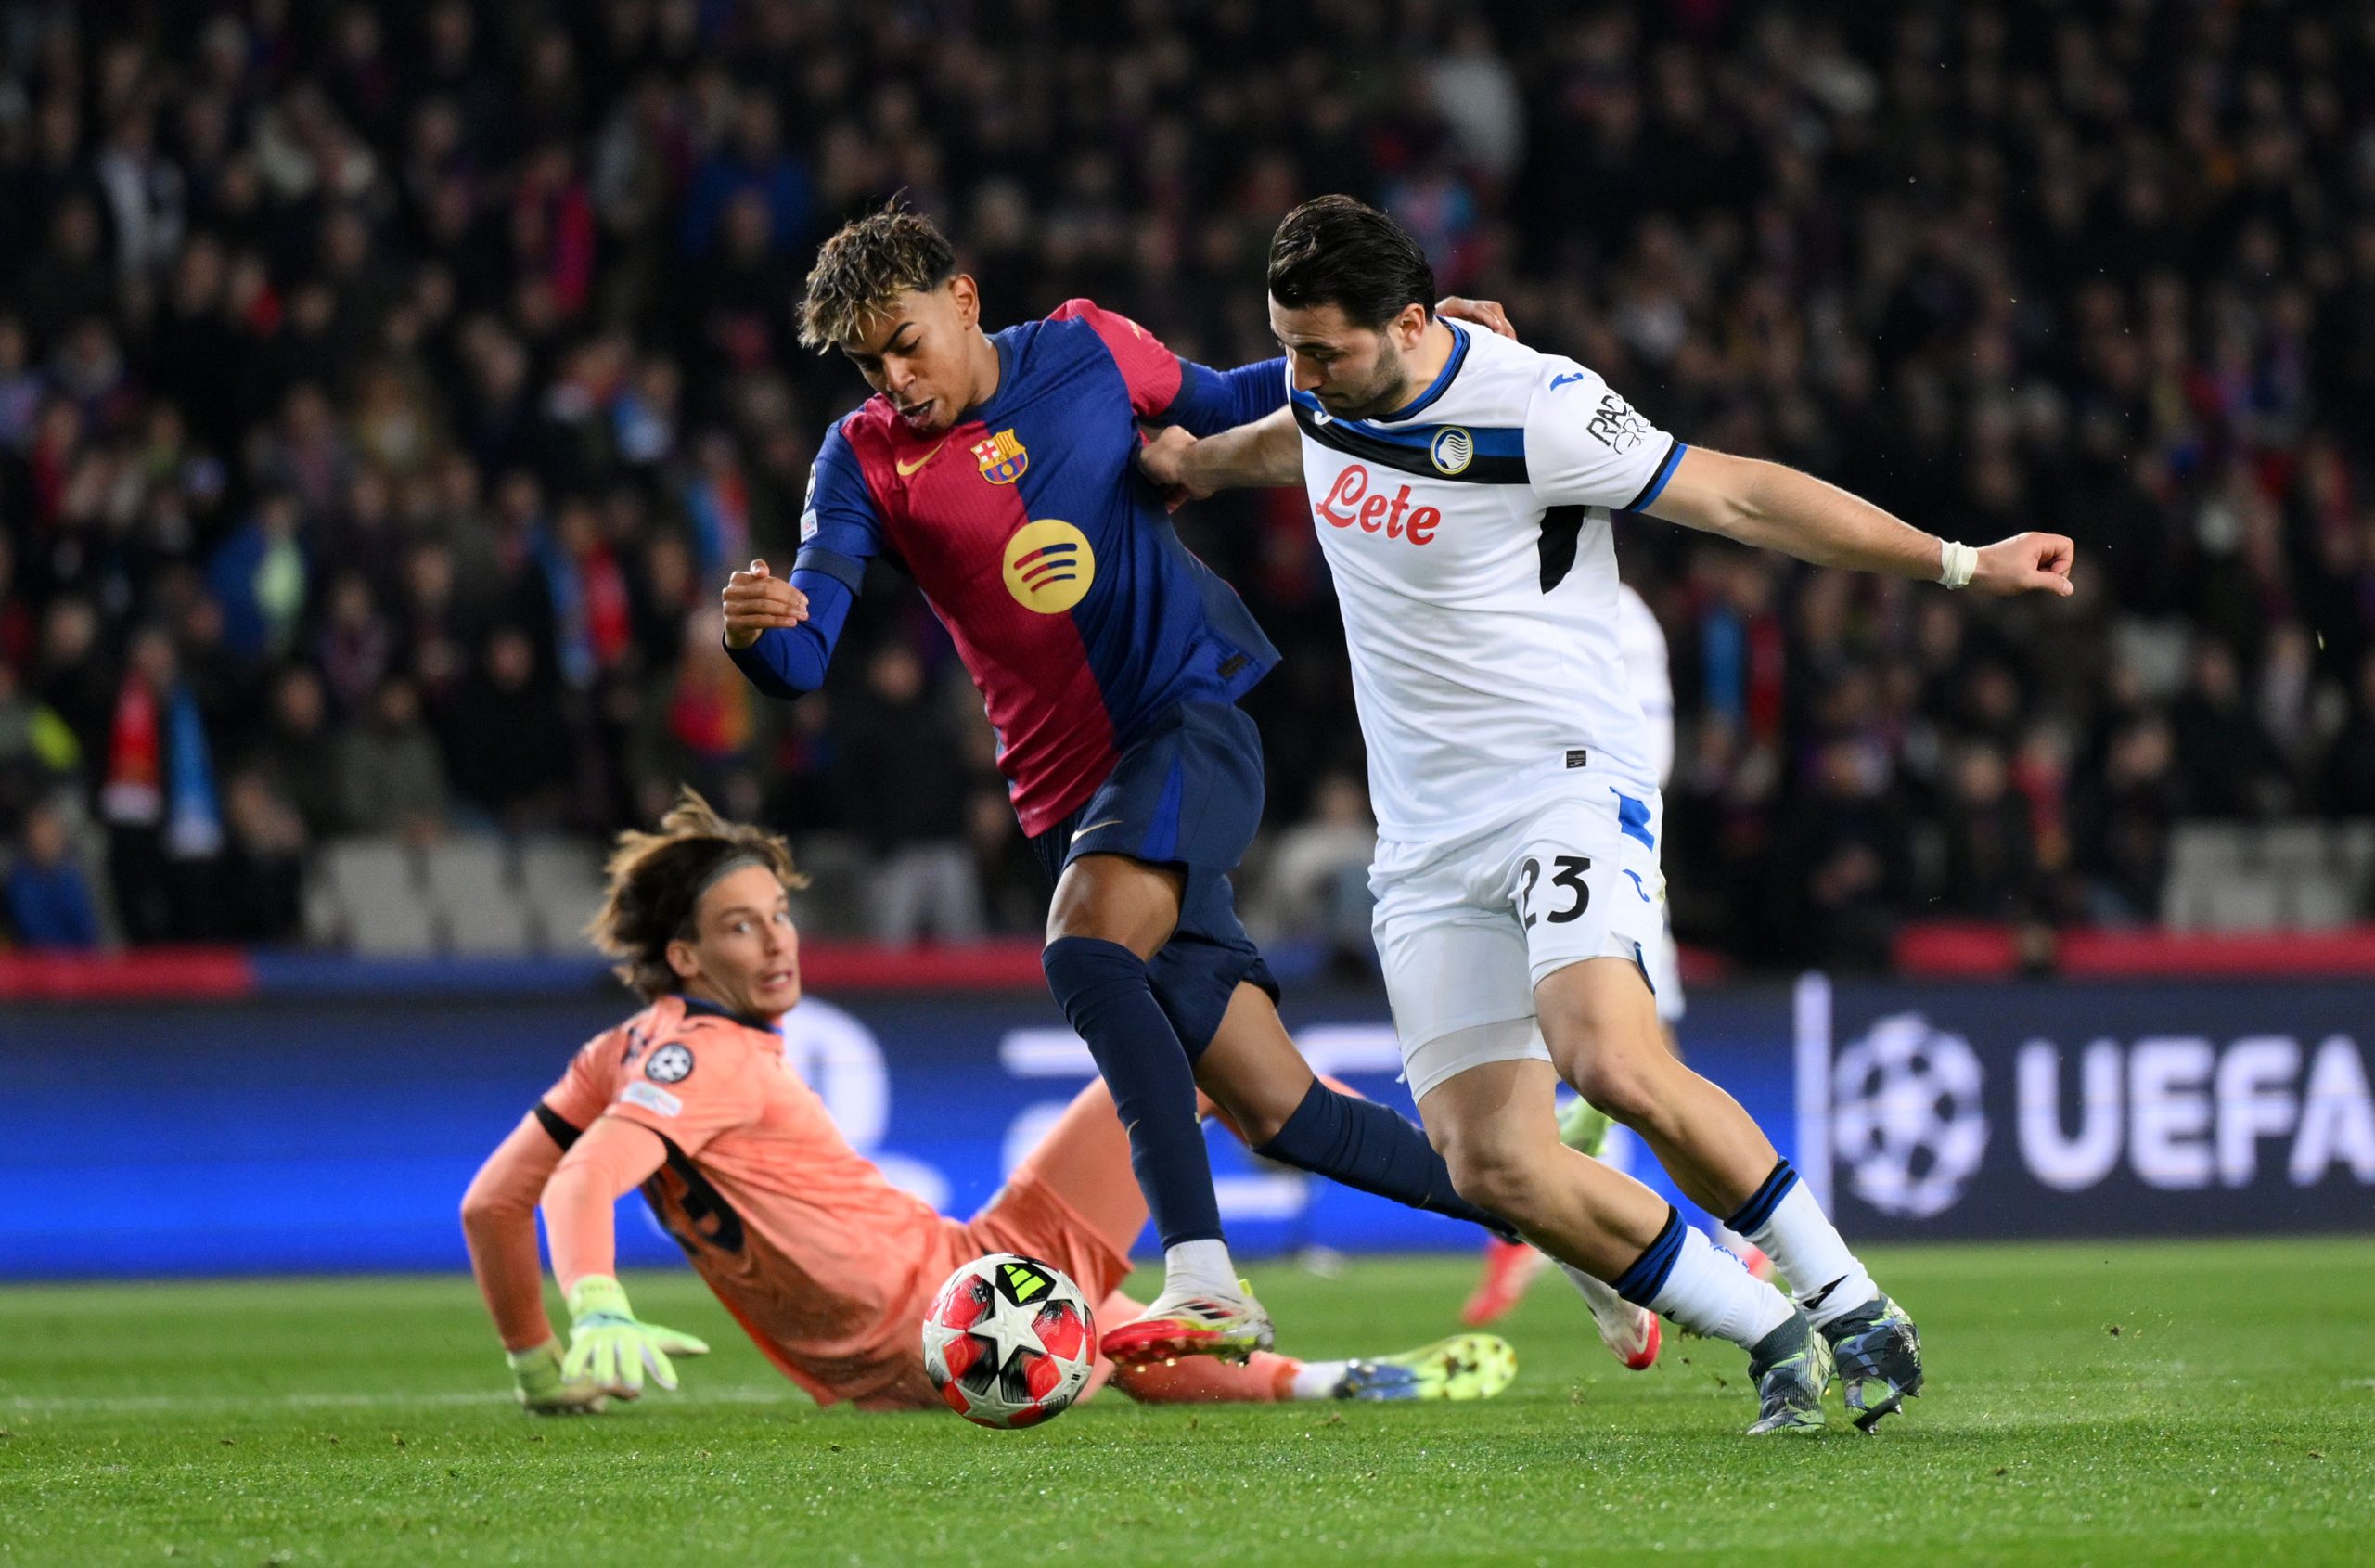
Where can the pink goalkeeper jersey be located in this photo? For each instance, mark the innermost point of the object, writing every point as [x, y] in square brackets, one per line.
[826, 1264]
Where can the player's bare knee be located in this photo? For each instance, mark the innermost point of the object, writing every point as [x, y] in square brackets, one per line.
[1256, 1118]
[1259, 1129]
[1507, 1187]
[1495, 1172]
[1113, 898]
[1621, 1084]
[1584, 1022]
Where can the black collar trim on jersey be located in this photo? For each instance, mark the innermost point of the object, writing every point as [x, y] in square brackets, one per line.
[1442, 382]
[747, 1021]
[1410, 458]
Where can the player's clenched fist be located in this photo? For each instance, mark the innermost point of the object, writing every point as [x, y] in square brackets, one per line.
[2024, 563]
[756, 601]
[1162, 461]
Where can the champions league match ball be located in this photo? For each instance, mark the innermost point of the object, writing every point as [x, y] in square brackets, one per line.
[1008, 1342]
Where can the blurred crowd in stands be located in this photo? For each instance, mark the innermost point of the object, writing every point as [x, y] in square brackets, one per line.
[386, 390]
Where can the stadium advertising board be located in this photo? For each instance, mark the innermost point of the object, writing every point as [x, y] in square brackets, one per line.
[338, 1133]
[2087, 1110]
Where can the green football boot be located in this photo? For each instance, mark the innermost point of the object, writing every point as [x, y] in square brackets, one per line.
[1583, 1127]
[1879, 1355]
[1791, 1367]
[1463, 1367]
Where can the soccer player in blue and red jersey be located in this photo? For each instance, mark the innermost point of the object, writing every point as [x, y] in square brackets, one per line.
[998, 470]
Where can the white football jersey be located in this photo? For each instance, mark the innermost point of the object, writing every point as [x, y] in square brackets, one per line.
[1468, 537]
[1643, 643]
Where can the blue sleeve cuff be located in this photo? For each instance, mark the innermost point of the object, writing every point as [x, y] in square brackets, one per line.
[1211, 401]
[1657, 485]
[788, 662]
[780, 663]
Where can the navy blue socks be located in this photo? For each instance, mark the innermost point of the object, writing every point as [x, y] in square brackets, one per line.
[1364, 1145]
[1102, 988]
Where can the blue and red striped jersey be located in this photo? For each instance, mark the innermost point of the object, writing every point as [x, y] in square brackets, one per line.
[1050, 559]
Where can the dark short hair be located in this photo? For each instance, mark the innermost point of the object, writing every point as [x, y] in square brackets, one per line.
[1334, 250]
[866, 266]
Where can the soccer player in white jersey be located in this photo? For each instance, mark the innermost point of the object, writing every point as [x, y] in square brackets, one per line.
[1509, 1267]
[1462, 485]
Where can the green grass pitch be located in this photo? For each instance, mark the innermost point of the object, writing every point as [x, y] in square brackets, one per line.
[2088, 1403]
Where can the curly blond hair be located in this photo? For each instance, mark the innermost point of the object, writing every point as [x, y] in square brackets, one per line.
[657, 879]
[867, 265]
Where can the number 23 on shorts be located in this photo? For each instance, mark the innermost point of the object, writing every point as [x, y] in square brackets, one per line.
[1566, 873]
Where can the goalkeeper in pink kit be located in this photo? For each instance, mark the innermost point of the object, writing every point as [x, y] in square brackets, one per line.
[826, 1263]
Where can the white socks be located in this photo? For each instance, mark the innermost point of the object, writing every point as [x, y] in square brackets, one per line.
[1199, 1268]
[1709, 1292]
[1808, 1249]
[1317, 1380]
[1610, 1311]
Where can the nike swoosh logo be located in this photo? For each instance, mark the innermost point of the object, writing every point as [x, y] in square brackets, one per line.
[1558, 381]
[907, 469]
[1814, 1303]
[1109, 822]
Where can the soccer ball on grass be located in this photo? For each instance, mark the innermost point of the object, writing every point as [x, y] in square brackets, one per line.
[1009, 1340]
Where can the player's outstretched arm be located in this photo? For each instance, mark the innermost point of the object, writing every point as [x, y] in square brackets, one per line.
[500, 1224]
[1267, 452]
[1775, 507]
[608, 1345]
[1210, 402]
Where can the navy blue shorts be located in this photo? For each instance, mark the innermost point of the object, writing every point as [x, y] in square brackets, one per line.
[1188, 794]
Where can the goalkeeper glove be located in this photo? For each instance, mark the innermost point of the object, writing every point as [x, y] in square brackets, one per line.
[608, 1347]
[545, 1389]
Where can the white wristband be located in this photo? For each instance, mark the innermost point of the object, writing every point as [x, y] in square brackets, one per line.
[1956, 563]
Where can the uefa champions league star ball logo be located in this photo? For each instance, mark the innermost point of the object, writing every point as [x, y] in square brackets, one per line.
[1905, 1116]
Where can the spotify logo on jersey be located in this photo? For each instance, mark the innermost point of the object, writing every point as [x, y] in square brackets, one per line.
[1049, 566]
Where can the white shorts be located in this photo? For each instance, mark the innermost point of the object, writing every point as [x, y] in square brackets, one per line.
[1466, 929]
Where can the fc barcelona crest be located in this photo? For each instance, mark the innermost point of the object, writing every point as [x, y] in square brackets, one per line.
[1002, 458]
